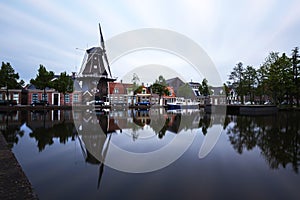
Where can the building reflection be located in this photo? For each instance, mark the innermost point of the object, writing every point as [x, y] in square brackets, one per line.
[276, 136]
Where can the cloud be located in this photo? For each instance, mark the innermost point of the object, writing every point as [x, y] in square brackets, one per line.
[229, 31]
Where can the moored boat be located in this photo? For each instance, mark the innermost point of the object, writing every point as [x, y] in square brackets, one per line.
[181, 103]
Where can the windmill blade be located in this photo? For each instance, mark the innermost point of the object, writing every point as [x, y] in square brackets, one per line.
[101, 38]
[104, 50]
[106, 59]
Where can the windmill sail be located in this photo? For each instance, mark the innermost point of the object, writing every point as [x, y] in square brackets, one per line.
[93, 74]
[104, 50]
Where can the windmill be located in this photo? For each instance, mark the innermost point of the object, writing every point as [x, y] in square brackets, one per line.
[93, 73]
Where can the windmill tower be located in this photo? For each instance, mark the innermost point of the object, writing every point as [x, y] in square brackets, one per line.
[93, 76]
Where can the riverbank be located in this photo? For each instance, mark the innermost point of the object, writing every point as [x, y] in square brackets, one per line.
[13, 182]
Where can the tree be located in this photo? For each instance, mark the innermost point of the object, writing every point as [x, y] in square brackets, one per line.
[138, 89]
[43, 79]
[203, 89]
[135, 79]
[9, 79]
[161, 80]
[261, 79]
[63, 84]
[279, 79]
[227, 90]
[249, 82]
[296, 73]
[159, 89]
[236, 76]
[185, 91]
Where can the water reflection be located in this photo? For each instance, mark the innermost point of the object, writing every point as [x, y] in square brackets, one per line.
[277, 137]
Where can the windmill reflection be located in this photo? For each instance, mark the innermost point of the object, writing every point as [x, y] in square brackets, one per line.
[96, 130]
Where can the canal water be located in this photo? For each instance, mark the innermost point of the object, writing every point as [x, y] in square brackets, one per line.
[156, 154]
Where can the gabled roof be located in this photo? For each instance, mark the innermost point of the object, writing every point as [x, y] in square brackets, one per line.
[33, 87]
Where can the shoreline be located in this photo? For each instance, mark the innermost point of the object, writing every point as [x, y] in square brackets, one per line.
[13, 182]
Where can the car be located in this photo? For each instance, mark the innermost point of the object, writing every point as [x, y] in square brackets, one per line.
[268, 103]
[95, 102]
[143, 103]
[8, 102]
[40, 103]
[99, 102]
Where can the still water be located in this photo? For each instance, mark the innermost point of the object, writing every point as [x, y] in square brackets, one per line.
[213, 157]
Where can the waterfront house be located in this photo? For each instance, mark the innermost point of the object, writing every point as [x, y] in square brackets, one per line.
[13, 94]
[120, 94]
[171, 97]
[143, 95]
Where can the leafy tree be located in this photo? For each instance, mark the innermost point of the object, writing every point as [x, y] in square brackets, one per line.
[226, 89]
[279, 79]
[135, 80]
[236, 76]
[249, 82]
[261, 80]
[9, 79]
[203, 88]
[43, 79]
[159, 89]
[161, 80]
[185, 91]
[63, 84]
[138, 89]
[296, 73]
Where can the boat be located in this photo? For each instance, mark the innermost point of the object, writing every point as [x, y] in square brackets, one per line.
[181, 103]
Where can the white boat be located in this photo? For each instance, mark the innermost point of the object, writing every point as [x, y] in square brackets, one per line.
[181, 102]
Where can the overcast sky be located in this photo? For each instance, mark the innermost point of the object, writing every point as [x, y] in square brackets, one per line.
[48, 32]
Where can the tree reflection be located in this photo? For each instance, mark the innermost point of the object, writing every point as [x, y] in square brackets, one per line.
[205, 123]
[44, 136]
[276, 136]
[10, 127]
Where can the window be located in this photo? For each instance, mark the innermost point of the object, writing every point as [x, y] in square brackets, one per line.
[75, 98]
[116, 90]
[16, 97]
[45, 97]
[95, 66]
[67, 98]
[34, 97]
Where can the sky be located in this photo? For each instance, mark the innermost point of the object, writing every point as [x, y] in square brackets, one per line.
[55, 33]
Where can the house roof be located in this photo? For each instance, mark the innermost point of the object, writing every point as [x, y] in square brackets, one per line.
[122, 87]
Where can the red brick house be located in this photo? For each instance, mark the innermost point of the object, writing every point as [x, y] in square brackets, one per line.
[13, 94]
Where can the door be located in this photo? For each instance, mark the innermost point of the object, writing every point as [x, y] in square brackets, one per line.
[56, 99]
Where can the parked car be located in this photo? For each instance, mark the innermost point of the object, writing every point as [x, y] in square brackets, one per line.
[268, 103]
[143, 103]
[95, 102]
[40, 103]
[8, 102]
